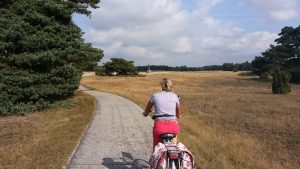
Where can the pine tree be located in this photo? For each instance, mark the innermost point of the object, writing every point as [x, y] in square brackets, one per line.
[42, 54]
[286, 54]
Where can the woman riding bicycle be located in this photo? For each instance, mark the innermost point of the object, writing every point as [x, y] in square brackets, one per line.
[166, 104]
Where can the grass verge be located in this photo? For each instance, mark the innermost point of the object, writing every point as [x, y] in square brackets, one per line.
[44, 139]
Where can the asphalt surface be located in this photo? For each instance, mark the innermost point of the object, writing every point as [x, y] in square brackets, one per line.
[118, 137]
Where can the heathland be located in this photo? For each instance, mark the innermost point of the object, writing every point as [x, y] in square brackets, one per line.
[44, 139]
[229, 121]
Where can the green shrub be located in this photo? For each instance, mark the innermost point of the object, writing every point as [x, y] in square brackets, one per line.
[20, 109]
[264, 75]
[247, 74]
[99, 70]
[42, 104]
[295, 74]
[120, 66]
[281, 80]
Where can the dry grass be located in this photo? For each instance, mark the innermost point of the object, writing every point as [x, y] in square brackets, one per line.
[229, 121]
[45, 139]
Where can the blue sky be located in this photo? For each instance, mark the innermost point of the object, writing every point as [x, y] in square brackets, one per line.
[187, 32]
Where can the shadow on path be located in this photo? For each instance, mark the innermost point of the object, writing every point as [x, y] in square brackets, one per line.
[125, 162]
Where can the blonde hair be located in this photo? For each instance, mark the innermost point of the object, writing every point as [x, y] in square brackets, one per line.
[166, 85]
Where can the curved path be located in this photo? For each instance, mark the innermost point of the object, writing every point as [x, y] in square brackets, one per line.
[118, 137]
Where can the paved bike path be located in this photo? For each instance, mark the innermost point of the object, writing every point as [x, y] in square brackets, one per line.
[118, 137]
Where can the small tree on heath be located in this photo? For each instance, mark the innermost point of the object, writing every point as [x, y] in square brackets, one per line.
[120, 66]
[281, 80]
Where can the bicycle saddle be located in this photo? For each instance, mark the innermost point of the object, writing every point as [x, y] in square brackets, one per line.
[167, 136]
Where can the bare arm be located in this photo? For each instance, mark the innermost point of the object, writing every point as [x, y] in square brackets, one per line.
[148, 109]
[177, 111]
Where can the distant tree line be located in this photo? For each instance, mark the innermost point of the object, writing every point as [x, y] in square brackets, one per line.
[246, 66]
[280, 61]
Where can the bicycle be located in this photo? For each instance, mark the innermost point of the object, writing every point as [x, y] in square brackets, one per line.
[171, 155]
[174, 155]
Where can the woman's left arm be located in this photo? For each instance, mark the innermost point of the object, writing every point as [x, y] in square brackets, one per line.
[178, 111]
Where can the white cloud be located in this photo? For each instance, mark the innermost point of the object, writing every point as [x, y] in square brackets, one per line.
[252, 42]
[161, 32]
[183, 45]
[275, 10]
[284, 14]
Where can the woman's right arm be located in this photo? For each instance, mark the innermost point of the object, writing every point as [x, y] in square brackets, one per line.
[148, 109]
